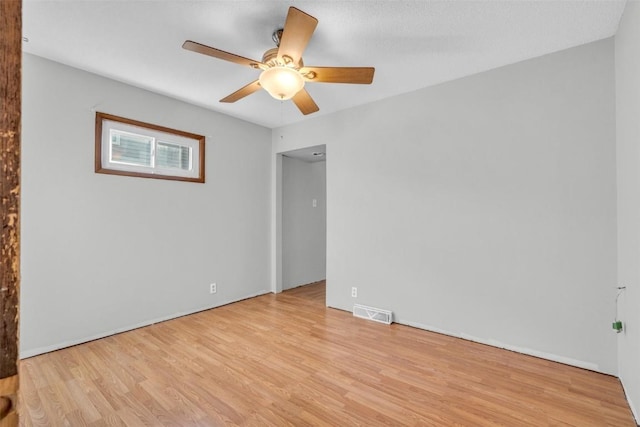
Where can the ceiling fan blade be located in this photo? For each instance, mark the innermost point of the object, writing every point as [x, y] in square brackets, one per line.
[304, 102]
[242, 92]
[354, 75]
[296, 34]
[220, 54]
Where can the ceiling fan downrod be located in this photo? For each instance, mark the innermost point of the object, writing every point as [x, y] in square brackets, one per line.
[277, 36]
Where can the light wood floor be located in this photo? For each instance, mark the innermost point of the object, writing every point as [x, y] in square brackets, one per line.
[287, 360]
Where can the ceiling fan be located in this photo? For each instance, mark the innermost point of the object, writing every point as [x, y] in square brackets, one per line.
[283, 71]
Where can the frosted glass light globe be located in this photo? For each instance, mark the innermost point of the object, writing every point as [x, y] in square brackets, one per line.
[281, 82]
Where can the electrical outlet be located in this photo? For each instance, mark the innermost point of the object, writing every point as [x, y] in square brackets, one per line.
[213, 288]
[354, 292]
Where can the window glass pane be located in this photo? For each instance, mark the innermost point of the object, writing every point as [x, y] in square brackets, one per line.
[129, 148]
[132, 148]
[173, 156]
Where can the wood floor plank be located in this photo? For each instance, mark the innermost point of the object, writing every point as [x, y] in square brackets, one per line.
[286, 359]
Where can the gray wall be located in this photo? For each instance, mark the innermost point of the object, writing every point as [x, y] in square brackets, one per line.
[484, 208]
[105, 253]
[628, 133]
[304, 227]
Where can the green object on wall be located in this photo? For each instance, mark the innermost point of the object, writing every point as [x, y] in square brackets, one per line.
[617, 325]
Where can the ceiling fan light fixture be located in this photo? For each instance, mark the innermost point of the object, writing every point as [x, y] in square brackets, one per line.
[281, 82]
[283, 73]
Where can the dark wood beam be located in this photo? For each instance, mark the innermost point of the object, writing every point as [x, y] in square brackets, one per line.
[10, 106]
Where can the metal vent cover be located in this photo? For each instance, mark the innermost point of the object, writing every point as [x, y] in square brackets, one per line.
[372, 313]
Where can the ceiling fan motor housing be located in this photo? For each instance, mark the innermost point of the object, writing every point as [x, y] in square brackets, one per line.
[270, 58]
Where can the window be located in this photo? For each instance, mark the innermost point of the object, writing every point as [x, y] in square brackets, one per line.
[132, 148]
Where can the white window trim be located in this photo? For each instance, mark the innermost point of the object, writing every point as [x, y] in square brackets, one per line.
[106, 123]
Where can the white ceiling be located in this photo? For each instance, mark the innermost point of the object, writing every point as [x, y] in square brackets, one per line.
[412, 44]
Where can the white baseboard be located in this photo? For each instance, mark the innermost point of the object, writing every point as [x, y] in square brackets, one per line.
[631, 405]
[302, 284]
[47, 349]
[523, 350]
[548, 356]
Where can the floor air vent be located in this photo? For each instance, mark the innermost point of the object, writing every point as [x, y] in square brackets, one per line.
[375, 314]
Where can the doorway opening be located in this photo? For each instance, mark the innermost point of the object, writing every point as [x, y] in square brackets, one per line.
[303, 210]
